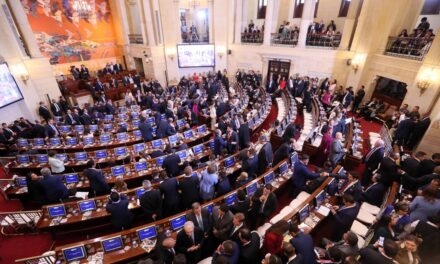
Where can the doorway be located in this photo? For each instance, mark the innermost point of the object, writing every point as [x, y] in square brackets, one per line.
[390, 91]
[278, 69]
[139, 65]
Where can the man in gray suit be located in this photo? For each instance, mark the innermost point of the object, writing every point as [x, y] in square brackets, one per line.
[221, 222]
[337, 151]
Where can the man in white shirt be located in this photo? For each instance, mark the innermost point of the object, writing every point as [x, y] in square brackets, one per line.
[56, 165]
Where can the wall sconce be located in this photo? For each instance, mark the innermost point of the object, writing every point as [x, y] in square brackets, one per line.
[426, 79]
[170, 52]
[20, 70]
[221, 51]
[171, 56]
[357, 60]
[220, 55]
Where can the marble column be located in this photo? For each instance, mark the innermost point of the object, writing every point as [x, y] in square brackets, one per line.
[349, 22]
[148, 15]
[307, 18]
[269, 21]
[238, 20]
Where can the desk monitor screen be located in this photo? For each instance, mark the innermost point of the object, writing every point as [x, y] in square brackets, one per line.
[209, 207]
[303, 213]
[139, 192]
[89, 140]
[42, 158]
[140, 166]
[320, 198]
[21, 159]
[122, 136]
[93, 128]
[294, 158]
[118, 171]
[122, 116]
[56, 211]
[21, 181]
[211, 144]
[81, 156]
[146, 233]
[178, 222]
[121, 151]
[251, 188]
[268, 178]
[198, 149]
[137, 133]
[123, 109]
[201, 129]
[139, 147]
[229, 162]
[172, 139]
[61, 156]
[64, 129]
[39, 141]
[22, 142]
[157, 143]
[230, 199]
[101, 154]
[71, 178]
[112, 244]
[79, 128]
[108, 117]
[188, 134]
[55, 141]
[284, 167]
[180, 122]
[87, 205]
[71, 141]
[108, 127]
[104, 138]
[251, 123]
[182, 154]
[134, 115]
[136, 122]
[160, 161]
[151, 120]
[123, 124]
[74, 253]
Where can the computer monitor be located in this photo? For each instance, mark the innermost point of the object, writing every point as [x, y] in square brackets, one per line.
[137, 133]
[182, 154]
[108, 126]
[147, 233]
[71, 141]
[74, 253]
[118, 171]
[135, 122]
[140, 166]
[134, 115]
[93, 128]
[160, 160]
[21, 181]
[56, 141]
[108, 117]
[320, 198]
[121, 151]
[87, 205]
[89, 140]
[123, 124]
[56, 210]
[198, 149]
[112, 244]
[64, 129]
[38, 141]
[104, 138]
[71, 178]
[139, 192]
[268, 178]
[188, 134]
[157, 143]
[123, 109]
[304, 213]
[173, 139]
[62, 156]
[209, 207]
[21, 159]
[178, 222]
[79, 129]
[284, 167]
[151, 120]
[229, 162]
[201, 129]
[211, 144]
[180, 122]
[231, 199]
[294, 158]
[101, 154]
[251, 122]
[81, 156]
[251, 188]
[122, 116]
[139, 147]
[42, 158]
[122, 136]
[22, 142]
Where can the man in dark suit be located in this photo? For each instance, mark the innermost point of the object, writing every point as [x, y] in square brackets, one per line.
[411, 164]
[419, 130]
[165, 129]
[268, 202]
[9, 133]
[84, 72]
[189, 242]
[403, 131]
[219, 143]
[283, 152]
[221, 222]
[290, 253]
[146, 130]
[250, 164]
[50, 130]
[427, 165]
[54, 189]
[99, 87]
[117, 206]
[38, 130]
[244, 134]
[372, 160]
[358, 98]
[385, 255]
[242, 204]
[56, 108]
[235, 122]
[70, 120]
[189, 188]
[97, 182]
[250, 246]
[343, 216]
[302, 174]
[232, 140]
[168, 188]
[200, 217]
[86, 119]
[303, 244]
[43, 111]
[165, 250]
[374, 193]
[151, 202]
[238, 223]
[290, 131]
[265, 156]
[109, 108]
[348, 246]
[389, 170]
[171, 164]
[352, 185]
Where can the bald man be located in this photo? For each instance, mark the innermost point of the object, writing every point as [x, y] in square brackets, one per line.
[189, 242]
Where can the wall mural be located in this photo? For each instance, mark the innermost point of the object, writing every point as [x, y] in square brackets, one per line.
[72, 30]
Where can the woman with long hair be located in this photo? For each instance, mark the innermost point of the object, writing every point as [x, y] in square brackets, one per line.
[385, 228]
[273, 239]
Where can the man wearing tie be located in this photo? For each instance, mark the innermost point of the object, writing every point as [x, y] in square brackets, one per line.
[50, 130]
[222, 222]
[200, 217]
[165, 251]
[374, 193]
[372, 160]
[337, 151]
[43, 111]
[70, 120]
[343, 216]
[352, 185]
[8, 132]
[238, 224]
[189, 242]
[232, 138]
[235, 122]
[56, 108]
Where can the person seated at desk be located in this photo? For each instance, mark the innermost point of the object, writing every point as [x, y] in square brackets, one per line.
[228, 249]
[151, 202]
[97, 181]
[249, 246]
[56, 165]
[302, 174]
[343, 216]
[303, 244]
[54, 188]
[117, 206]
[374, 193]
[158, 152]
[382, 255]
[189, 242]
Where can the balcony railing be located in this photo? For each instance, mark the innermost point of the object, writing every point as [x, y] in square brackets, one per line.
[256, 38]
[288, 39]
[409, 47]
[135, 39]
[195, 37]
[324, 40]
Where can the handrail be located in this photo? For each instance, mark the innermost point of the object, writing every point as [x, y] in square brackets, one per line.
[324, 40]
[414, 48]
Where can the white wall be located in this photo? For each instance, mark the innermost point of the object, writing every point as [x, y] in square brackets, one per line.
[329, 10]
[434, 20]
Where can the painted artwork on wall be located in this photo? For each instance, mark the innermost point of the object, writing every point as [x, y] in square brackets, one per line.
[72, 30]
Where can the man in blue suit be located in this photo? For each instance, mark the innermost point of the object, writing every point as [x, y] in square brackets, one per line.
[403, 131]
[244, 134]
[171, 164]
[146, 130]
[232, 140]
[372, 160]
[109, 108]
[348, 97]
[344, 216]
[374, 193]
[219, 143]
[53, 186]
[265, 156]
[165, 129]
[303, 244]
[168, 188]
[339, 125]
[98, 184]
[250, 164]
[117, 206]
[301, 174]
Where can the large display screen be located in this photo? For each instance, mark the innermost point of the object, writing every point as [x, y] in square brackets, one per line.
[199, 55]
[9, 91]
